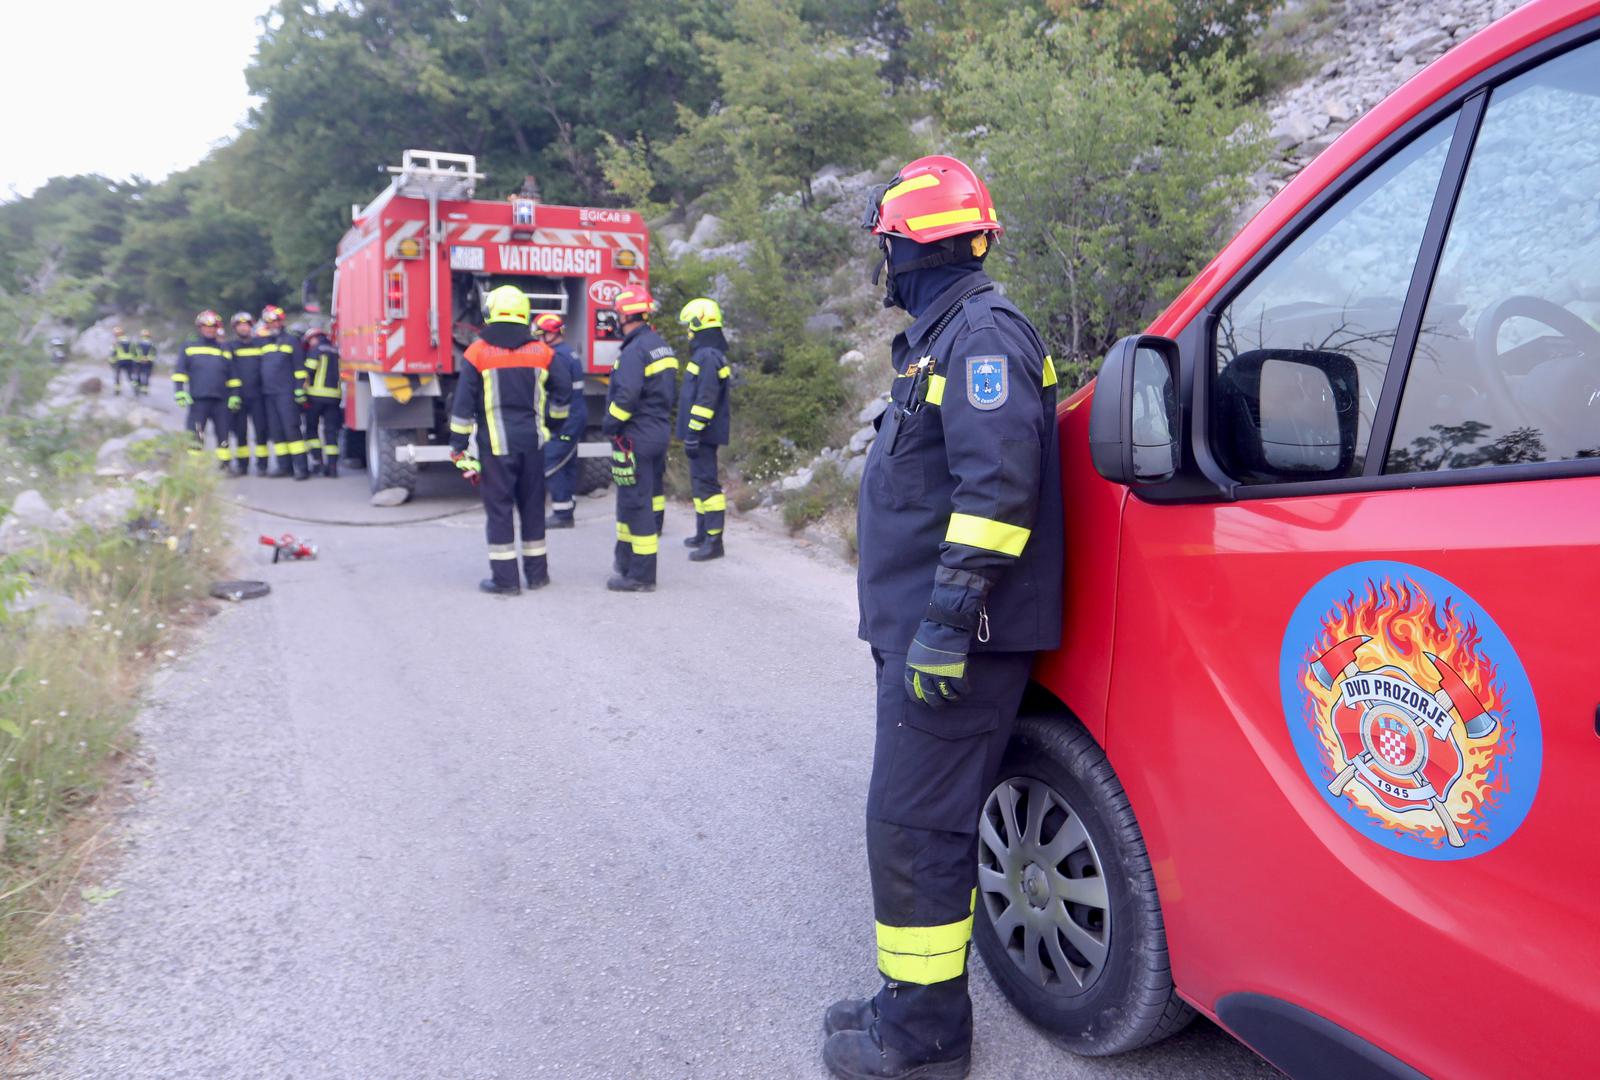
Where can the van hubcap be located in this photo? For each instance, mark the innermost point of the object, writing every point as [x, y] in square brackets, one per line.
[1042, 886]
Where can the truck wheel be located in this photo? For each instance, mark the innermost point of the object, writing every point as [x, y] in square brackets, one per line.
[594, 473]
[1067, 920]
[383, 471]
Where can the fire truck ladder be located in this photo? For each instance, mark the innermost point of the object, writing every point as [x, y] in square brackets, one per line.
[435, 175]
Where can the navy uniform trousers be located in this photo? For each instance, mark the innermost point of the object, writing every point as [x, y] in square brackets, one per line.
[641, 512]
[212, 411]
[513, 488]
[931, 772]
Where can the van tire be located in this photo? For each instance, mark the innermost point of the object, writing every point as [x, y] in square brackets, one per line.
[383, 471]
[1131, 1002]
[594, 474]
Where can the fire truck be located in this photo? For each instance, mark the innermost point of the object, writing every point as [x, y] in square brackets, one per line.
[408, 298]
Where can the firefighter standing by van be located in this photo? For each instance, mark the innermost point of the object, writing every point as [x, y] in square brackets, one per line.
[122, 357]
[323, 405]
[204, 382]
[703, 423]
[144, 362]
[561, 452]
[639, 420]
[505, 381]
[960, 534]
[251, 418]
[282, 387]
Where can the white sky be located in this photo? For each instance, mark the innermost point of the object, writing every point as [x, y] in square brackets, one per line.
[119, 87]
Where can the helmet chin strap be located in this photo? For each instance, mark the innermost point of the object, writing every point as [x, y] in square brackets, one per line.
[947, 251]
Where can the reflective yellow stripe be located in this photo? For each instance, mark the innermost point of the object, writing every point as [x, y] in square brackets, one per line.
[619, 413]
[699, 506]
[697, 425]
[223, 454]
[924, 954]
[460, 427]
[664, 364]
[560, 412]
[724, 371]
[714, 503]
[645, 545]
[261, 450]
[491, 414]
[203, 350]
[658, 503]
[179, 376]
[280, 448]
[1049, 372]
[533, 548]
[702, 411]
[945, 217]
[623, 533]
[298, 446]
[986, 533]
[234, 384]
[916, 183]
[692, 368]
[241, 451]
[934, 395]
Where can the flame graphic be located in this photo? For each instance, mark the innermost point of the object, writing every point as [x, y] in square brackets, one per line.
[1403, 622]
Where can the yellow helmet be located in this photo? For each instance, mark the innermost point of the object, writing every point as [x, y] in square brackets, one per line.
[701, 313]
[508, 304]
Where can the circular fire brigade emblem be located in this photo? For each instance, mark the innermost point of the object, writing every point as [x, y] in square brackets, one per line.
[1410, 711]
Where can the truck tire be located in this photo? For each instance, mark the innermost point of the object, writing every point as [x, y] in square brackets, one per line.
[594, 474]
[1067, 917]
[383, 471]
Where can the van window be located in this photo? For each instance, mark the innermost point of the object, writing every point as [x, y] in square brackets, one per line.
[1507, 367]
[1336, 293]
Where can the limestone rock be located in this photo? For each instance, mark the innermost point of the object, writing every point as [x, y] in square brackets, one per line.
[852, 358]
[112, 457]
[49, 609]
[394, 496]
[855, 467]
[874, 409]
[797, 482]
[108, 508]
[862, 439]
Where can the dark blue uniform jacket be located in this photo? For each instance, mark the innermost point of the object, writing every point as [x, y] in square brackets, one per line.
[963, 483]
[703, 397]
[578, 416]
[639, 398]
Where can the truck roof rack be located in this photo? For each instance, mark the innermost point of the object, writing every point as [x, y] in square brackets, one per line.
[422, 173]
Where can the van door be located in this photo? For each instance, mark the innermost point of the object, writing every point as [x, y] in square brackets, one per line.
[1356, 707]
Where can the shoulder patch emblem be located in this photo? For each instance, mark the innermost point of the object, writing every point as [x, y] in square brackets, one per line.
[988, 381]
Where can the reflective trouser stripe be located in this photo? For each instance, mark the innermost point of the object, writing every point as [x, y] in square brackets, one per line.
[313, 444]
[699, 506]
[241, 451]
[261, 449]
[330, 450]
[712, 503]
[924, 954]
[280, 448]
[223, 454]
[559, 506]
[298, 446]
[624, 533]
[986, 533]
[658, 502]
[502, 551]
[529, 550]
[644, 545]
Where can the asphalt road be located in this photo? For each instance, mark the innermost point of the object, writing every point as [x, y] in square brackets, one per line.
[401, 829]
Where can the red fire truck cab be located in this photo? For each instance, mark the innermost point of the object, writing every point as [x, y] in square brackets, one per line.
[1317, 756]
[408, 289]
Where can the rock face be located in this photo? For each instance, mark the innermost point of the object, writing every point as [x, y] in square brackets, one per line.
[112, 457]
[1373, 46]
[30, 518]
[49, 609]
[109, 508]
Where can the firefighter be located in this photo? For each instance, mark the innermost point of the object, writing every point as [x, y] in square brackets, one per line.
[282, 387]
[639, 420]
[144, 362]
[507, 383]
[703, 422]
[561, 452]
[204, 382]
[122, 357]
[324, 409]
[959, 583]
[251, 418]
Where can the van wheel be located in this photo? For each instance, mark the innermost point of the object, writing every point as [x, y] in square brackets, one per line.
[1067, 919]
[594, 473]
[383, 471]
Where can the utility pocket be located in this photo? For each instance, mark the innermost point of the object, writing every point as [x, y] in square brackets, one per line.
[939, 764]
[900, 475]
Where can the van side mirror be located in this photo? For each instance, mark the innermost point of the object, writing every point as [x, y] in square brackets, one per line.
[1134, 419]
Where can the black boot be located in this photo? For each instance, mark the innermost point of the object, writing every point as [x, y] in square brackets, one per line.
[280, 470]
[711, 549]
[300, 470]
[330, 467]
[851, 1014]
[640, 577]
[536, 568]
[559, 521]
[699, 536]
[261, 466]
[858, 1055]
[240, 466]
[623, 583]
[494, 588]
[622, 558]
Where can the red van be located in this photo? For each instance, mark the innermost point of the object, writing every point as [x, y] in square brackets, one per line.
[1318, 755]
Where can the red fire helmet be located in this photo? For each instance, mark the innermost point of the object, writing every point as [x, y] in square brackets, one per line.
[933, 198]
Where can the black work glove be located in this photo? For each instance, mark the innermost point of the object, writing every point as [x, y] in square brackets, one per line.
[936, 664]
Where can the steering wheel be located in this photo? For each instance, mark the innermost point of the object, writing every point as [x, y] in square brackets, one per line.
[1486, 343]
